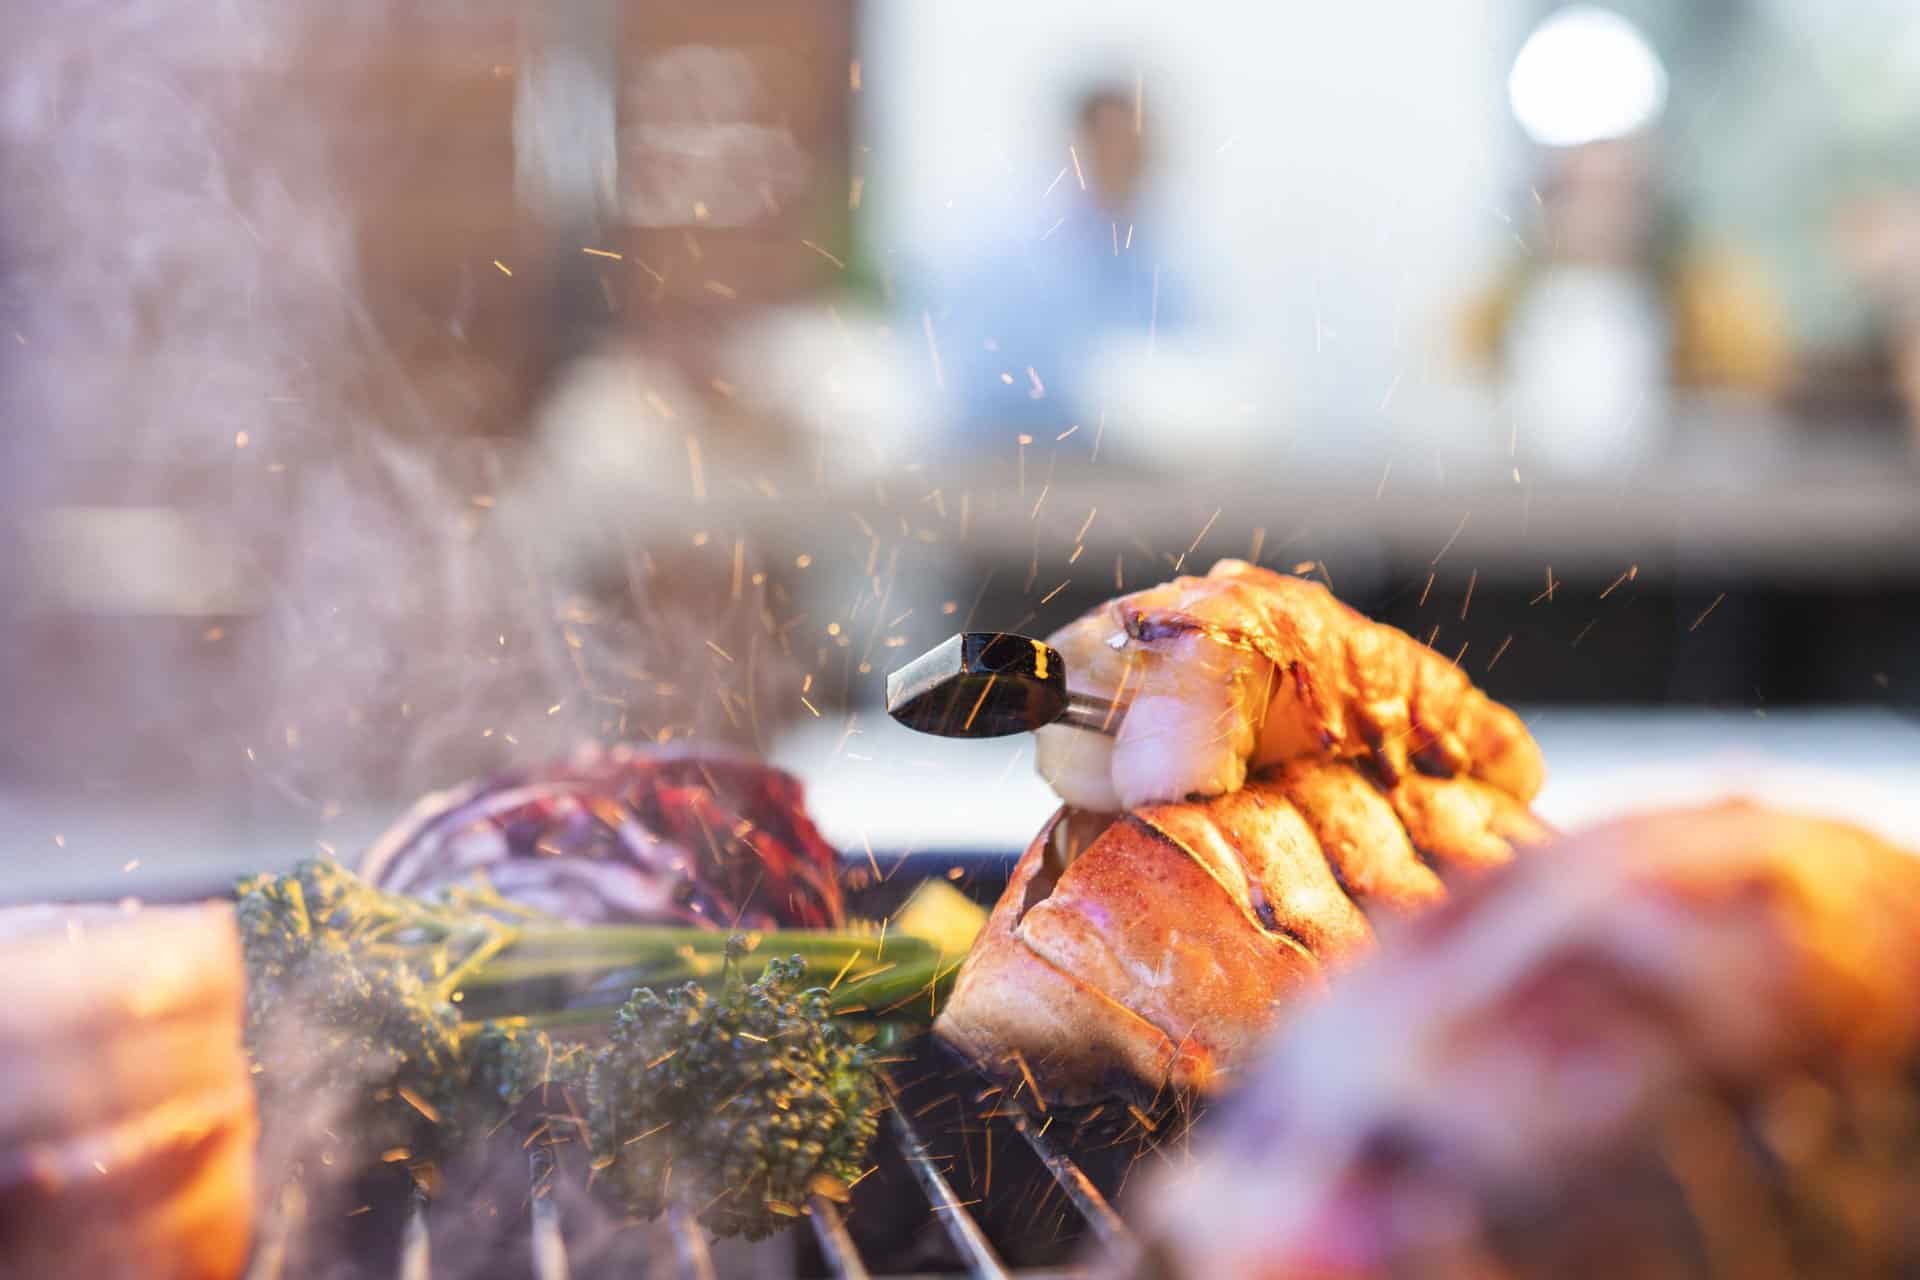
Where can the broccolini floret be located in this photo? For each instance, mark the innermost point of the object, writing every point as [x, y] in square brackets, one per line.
[347, 995]
[738, 1099]
[741, 1103]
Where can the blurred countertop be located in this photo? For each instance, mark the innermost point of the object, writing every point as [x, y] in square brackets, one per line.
[1786, 511]
[872, 785]
[887, 787]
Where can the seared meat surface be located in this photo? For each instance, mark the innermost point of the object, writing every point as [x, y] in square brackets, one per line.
[1160, 946]
[1681, 1045]
[1246, 667]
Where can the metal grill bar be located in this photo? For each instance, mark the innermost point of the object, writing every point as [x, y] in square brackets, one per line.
[836, 1244]
[689, 1243]
[549, 1248]
[692, 1256]
[416, 1253]
[975, 1252]
[1074, 1182]
[270, 1255]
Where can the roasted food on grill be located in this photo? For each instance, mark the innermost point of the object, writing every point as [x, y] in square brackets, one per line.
[1685, 1044]
[379, 1022]
[623, 834]
[742, 1104]
[1247, 667]
[126, 1114]
[1159, 946]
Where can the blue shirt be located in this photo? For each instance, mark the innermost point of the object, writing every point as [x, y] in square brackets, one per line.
[1016, 333]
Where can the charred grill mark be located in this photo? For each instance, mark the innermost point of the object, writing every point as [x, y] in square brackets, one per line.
[1263, 909]
[1427, 744]
[1426, 858]
[1151, 625]
[1369, 768]
[1352, 895]
[1431, 759]
[1340, 879]
[1150, 628]
[1256, 896]
[1382, 769]
[1310, 699]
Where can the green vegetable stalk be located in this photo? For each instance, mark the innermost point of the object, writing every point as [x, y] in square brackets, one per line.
[745, 1097]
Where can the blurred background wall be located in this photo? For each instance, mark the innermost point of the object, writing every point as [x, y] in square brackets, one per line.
[1332, 179]
[397, 391]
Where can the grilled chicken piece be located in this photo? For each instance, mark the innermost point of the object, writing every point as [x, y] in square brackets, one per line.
[1246, 667]
[126, 1109]
[1160, 946]
[1685, 1044]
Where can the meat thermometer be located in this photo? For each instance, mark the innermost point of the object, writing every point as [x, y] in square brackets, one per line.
[988, 684]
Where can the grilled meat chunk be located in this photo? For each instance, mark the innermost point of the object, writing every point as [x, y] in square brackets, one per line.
[127, 1123]
[1683, 1044]
[1247, 667]
[1162, 945]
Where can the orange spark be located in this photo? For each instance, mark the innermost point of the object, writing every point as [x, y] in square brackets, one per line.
[1497, 652]
[1194, 545]
[1630, 573]
[1457, 530]
[823, 253]
[1548, 593]
[694, 468]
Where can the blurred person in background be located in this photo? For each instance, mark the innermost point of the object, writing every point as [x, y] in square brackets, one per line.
[1877, 239]
[1022, 327]
[1622, 308]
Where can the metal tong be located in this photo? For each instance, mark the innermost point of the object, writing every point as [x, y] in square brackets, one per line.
[989, 684]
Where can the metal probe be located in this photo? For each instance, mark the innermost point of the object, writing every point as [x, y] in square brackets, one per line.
[988, 684]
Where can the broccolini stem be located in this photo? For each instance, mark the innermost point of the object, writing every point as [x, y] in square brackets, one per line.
[895, 994]
[901, 990]
[475, 962]
[662, 937]
[552, 1020]
[684, 953]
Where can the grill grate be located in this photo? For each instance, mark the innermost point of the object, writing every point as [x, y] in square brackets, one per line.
[976, 1252]
[836, 1242]
[692, 1259]
[945, 1210]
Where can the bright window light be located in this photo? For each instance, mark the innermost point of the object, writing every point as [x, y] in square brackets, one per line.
[1584, 75]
